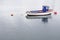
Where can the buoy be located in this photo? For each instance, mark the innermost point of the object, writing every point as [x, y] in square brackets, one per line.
[55, 13]
[11, 14]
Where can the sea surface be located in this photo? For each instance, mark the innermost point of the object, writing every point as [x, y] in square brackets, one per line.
[23, 27]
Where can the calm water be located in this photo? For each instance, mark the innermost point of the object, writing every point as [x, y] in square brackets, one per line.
[22, 27]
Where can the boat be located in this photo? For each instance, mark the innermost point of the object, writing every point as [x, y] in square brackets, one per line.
[38, 17]
[39, 13]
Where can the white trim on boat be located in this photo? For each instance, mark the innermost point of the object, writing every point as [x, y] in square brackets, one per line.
[41, 14]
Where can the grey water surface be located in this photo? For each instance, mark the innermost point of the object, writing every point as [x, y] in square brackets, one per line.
[22, 27]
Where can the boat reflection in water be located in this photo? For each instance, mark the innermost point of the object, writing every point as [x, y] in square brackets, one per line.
[44, 18]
